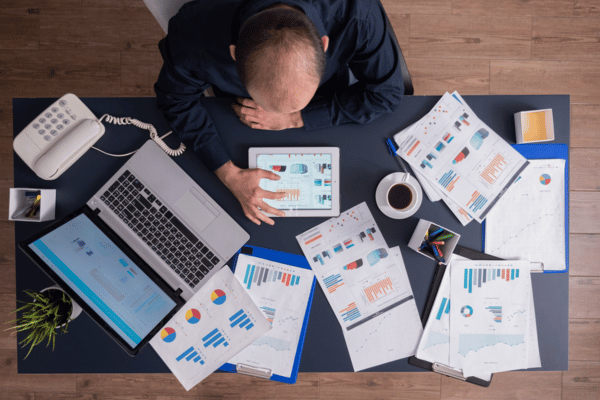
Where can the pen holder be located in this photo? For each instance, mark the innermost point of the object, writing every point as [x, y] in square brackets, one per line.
[423, 238]
[19, 203]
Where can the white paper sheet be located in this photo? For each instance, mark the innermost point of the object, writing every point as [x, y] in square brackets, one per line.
[365, 286]
[465, 158]
[213, 326]
[528, 223]
[281, 292]
[490, 315]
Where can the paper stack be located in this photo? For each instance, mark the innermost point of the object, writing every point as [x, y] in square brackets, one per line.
[459, 159]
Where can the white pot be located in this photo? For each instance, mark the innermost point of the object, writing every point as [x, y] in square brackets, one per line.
[76, 307]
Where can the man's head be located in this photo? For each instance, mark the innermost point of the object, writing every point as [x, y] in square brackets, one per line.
[280, 59]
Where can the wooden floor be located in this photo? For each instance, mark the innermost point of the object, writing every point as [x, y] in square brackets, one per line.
[109, 48]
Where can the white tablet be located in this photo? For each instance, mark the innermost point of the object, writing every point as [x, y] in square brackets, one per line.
[310, 176]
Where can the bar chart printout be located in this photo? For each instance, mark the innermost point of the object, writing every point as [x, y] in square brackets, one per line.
[483, 292]
[281, 292]
[209, 335]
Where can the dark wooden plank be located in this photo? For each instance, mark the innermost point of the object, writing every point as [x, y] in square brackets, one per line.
[112, 3]
[584, 253]
[585, 120]
[565, 39]
[583, 163]
[306, 387]
[387, 385]
[550, 8]
[581, 381]
[584, 340]
[507, 385]
[19, 29]
[577, 78]
[6, 160]
[435, 76]
[401, 26]
[139, 72]
[584, 297]
[216, 385]
[463, 37]
[587, 8]
[584, 212]
[418, 6]
[11, 382]
[41, 73]
[99, 29]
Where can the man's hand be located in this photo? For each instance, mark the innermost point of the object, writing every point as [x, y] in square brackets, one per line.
[256, 117]
[243, 183]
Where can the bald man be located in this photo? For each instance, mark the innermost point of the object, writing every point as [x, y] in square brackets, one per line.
[286, 64]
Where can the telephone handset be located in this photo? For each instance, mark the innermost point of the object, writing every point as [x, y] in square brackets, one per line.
[61, 134]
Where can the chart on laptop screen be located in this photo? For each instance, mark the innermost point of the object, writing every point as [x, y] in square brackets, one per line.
[305, 179]
[103, 276]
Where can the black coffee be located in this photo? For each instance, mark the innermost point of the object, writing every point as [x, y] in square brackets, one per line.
[400, 196]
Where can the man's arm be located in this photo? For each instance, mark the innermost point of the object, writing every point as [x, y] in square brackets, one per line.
[179, 97]
[376, 65]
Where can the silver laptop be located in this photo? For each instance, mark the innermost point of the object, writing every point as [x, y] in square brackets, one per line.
[168, 220]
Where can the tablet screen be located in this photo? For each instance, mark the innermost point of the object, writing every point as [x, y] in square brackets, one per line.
[305, 178]
[105, 278]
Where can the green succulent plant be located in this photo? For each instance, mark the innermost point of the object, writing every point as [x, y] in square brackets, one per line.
[42, 316]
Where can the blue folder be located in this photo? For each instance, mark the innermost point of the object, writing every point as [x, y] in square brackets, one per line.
[544, 151]
[283, 258]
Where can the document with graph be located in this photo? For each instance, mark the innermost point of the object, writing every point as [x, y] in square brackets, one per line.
[462, 156]
[282, 293]
[528, 223]
[213, 326]
[366, 285]
[490, 316]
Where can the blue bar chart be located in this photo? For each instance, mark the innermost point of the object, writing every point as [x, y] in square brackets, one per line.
[444, 308]
[191, 354]
[214, 338]
[476, 277]
[240, 319]
[260, 275]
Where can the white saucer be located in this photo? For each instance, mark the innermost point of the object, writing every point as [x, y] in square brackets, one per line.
[383, 187]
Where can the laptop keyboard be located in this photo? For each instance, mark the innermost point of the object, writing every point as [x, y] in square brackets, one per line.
[164, 233]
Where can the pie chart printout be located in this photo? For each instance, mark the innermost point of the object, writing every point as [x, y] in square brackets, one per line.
[168, 334]
[218, 297]
[192, 316]
[545, 179]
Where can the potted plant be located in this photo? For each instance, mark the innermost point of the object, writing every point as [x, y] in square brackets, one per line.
[49, 312]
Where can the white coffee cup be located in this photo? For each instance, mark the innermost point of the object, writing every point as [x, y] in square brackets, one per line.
[394, 187]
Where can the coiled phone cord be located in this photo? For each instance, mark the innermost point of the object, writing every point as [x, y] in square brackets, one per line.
[142, 125]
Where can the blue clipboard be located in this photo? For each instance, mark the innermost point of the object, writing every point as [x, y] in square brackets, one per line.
[541, 151]
[283, 258]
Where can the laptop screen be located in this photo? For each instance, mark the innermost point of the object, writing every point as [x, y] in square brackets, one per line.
[115, 287]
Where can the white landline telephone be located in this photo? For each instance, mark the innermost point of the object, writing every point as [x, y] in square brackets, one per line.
[61, 134]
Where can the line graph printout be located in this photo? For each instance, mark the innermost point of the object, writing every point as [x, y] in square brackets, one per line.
[283, 305]
[529, 221]
[214, 325]
[305, 179]
[461, 156]
[363, 282]
[480, 340]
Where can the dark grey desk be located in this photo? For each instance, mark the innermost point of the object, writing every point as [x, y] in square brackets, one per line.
[364, 162]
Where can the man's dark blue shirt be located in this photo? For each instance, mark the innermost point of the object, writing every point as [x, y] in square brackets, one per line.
[196, 56]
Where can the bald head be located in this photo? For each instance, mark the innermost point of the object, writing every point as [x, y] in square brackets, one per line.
[280, 59]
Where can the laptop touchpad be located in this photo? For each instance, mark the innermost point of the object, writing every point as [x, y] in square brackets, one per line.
[192, 206]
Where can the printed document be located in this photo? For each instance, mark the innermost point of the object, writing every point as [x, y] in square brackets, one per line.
[213, 326]
[490, 316]
[435, 342]
[528, 223]
[462, 156]
[281, 292]
[366, 285]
